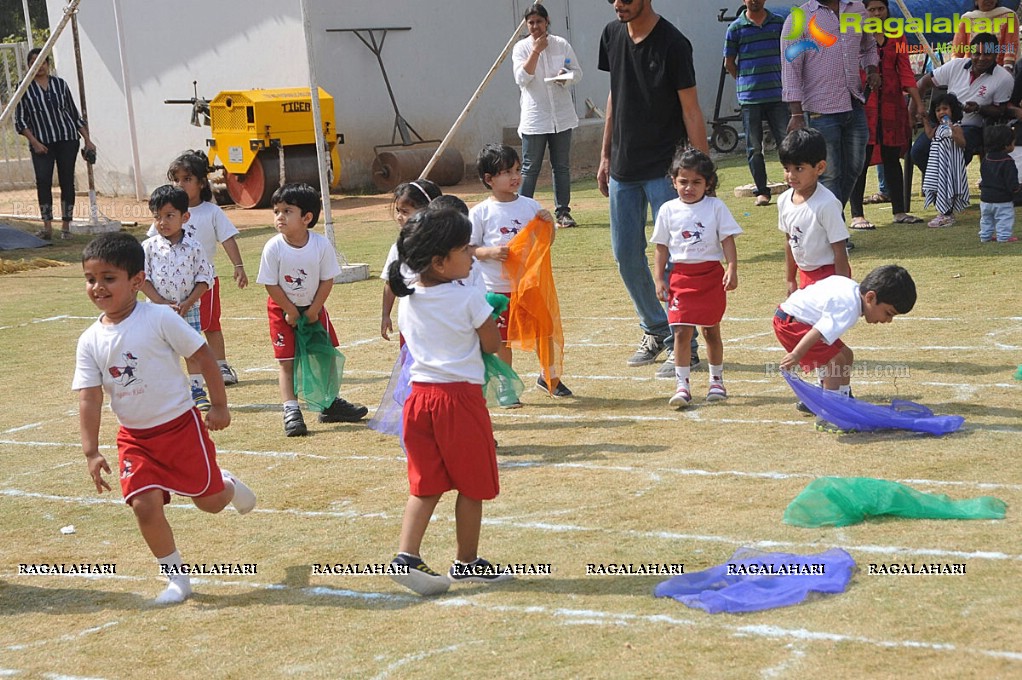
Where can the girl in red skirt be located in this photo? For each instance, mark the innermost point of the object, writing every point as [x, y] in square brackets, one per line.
[694, 233]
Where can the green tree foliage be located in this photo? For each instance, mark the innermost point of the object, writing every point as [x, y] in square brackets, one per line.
[12, 21]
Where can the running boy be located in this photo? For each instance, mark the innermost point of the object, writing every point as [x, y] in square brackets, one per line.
[133, 352]
[176, 270]
[495, 222]
[298, 267]
[812, 320]
[809, 214]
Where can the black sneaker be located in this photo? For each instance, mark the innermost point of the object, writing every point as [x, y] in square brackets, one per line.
[560, 391]
[565, 221]
[801, 407]
[342, 411]
[694, 361]
[294, 423]
[478, 571]
[650, 347]
[419, 577]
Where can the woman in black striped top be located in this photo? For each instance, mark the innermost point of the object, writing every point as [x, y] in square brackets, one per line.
[48, 118]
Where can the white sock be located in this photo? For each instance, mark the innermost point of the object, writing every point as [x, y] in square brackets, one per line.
[290, 404]
[195, 379]
[221, 362]
[846, 390]
[179, 587]
[716, 372]
[244, 499]
[682, 373]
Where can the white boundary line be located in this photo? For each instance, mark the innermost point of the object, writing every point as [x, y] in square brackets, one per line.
[69, 637]
[567, 616]
[572, 528]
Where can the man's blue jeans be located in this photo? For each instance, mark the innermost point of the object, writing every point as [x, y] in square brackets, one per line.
[776, 115]
[533, 148]
[847, 135]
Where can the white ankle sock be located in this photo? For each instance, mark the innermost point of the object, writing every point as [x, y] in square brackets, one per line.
[716, 372]
[682, 374]
[290, 404]
[179, 588]
[195, 379]
[221, 362]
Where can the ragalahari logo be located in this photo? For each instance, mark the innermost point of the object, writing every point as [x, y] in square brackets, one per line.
[817, 36]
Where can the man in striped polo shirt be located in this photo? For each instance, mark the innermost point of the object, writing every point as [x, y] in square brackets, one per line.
[752, 55]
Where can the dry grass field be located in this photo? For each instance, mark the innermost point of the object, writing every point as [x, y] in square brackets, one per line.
[612, 476]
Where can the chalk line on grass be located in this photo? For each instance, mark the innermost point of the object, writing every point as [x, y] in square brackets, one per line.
[68, 637]
[419, 656]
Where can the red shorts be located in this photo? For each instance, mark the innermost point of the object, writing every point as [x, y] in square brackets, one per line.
[448, 440]
[697, 296]
[818, 274]
[790, 331]
[282, 335]
[177, 456]
[502, 319]
[209, 307]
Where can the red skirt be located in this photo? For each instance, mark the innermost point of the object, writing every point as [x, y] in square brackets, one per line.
[697, 296]
[177, 457]
[790, 332]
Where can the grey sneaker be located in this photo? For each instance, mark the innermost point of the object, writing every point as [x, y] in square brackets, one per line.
[650, 347]
[666, 369]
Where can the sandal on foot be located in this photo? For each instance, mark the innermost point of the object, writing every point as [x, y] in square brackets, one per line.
[877, 198]
[861, 224]
[44, 234]
[763, 200]
[66, 235]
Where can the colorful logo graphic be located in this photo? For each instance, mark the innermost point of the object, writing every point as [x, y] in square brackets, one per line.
[817, 36]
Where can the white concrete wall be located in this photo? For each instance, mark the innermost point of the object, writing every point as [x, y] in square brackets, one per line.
[238, 44]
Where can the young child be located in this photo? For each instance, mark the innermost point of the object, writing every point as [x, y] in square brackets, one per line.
[809, 214]
[812, 320]
[298, 267]
[133, 352]
[694, 233]
[176, 270]
[208, 225]
[945, 184]
[495, 222]
[448, 437]
[409, 198]
[998, 186]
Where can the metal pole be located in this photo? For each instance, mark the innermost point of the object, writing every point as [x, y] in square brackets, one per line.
[40, 60]
[922, 38]
[317, 121]
[28, 24]
[93, 210]
[126, 82]
[475, 97]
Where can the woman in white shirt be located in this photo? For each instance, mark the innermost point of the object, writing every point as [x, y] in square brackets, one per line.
[548, 111]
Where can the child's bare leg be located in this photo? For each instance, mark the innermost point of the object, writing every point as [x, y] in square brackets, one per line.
[286, 381]
[714, 345]
[418, 511]
[468, 516]
[218, 501]
[152, 522]
[215, 340]
[682, 346]
[838, 371]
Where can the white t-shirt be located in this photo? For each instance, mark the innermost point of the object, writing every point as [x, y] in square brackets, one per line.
[693, 232]
[298, 270]
[209, 225]
[474, 278]
[546, 107]
[495, 223]
[812, 227]
[138, 363]
[990, 88]
[439, 327]
[831, 306]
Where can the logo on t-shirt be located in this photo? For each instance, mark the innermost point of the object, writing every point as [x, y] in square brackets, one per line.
[694, 236]
[518, 226]
[297, 280]
[125, 375]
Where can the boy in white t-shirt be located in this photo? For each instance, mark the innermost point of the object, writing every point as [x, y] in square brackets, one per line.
[133, 352]
[298, 267]
[810, 323]
[809, 214]
[495, 222]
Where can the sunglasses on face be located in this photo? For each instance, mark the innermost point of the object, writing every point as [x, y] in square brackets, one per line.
[623, 2]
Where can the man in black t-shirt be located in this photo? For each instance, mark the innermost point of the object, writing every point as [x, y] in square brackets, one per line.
[652, 108]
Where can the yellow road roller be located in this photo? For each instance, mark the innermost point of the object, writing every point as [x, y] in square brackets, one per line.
[263, 138]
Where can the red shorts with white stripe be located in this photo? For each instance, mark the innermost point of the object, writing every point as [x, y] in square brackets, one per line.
[209, 307]
[790, 332]
[816, 275]
[177, 457]
[282, 335]
[697, 296]
[448, 439]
